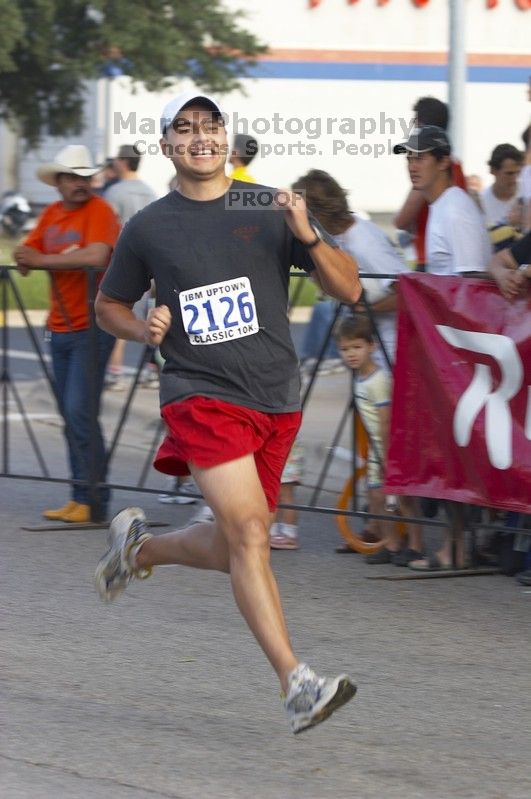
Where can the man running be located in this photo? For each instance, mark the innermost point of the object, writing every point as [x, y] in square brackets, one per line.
[220, 253]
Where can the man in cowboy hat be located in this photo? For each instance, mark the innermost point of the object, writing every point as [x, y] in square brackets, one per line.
[72, 236]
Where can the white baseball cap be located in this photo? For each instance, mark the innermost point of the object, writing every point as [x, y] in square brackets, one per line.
[171, 109]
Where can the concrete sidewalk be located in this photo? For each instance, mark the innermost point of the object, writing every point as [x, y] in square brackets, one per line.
[14, 318]
[165, 694]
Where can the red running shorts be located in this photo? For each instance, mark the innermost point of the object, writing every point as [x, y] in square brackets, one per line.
[205, 432]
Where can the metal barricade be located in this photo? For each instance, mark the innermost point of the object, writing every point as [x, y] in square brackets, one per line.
[8, 287]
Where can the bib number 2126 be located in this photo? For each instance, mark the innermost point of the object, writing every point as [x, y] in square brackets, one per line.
[219, 312]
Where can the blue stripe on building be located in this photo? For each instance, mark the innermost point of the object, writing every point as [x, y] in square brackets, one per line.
[318, 70]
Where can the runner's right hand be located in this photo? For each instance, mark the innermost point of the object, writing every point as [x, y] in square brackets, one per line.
[158, 323]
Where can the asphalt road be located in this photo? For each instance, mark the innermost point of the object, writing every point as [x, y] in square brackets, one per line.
[165, 694]
[23, 360]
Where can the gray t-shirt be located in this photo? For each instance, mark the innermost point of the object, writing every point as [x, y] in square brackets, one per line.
[223, 271]
[127, 197]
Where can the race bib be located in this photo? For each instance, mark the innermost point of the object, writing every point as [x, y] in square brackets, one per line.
[219, 312]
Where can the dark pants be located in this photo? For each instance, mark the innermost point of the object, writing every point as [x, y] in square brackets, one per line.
[78, 373]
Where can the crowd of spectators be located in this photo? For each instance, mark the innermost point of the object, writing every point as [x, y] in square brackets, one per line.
[457, 228]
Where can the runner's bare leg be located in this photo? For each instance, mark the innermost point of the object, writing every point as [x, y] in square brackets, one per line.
[234, 492]
[201, 546]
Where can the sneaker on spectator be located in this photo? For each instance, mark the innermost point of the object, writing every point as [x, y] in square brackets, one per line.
[180, 493]
[312, 699]
[149, 376]
[127, 533]
[114, 382]
[283, 536]
[204, 514]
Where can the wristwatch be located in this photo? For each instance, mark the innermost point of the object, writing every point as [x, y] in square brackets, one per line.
[522, 268]
[317, 239]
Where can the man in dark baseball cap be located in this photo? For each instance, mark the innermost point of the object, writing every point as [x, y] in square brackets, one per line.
[413, 214]
[456, 243]
[424, 140]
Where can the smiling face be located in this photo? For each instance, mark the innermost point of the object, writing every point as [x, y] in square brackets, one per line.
[196, 142]
[74, 189]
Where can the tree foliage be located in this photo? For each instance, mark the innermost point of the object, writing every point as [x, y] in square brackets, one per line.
[49, 48]
[11, 34]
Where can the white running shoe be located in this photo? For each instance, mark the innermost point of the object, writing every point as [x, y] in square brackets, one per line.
[128, 531]
[311, 699]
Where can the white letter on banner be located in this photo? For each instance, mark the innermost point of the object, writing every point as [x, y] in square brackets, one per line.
[479, 394]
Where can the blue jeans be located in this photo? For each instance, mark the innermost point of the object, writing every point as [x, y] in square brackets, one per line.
[322, 314]
[77, 373]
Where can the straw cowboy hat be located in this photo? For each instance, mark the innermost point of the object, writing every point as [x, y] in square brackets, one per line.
[74, 159]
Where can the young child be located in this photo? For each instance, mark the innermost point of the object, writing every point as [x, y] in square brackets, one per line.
[284, 532]
[372, 392]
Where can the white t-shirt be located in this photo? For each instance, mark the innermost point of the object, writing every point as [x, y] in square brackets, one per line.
[371, 393]
[495, 210]
[456, 237]
[375, 255]
[524, 183]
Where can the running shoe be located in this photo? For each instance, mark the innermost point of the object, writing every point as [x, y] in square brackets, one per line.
[128, 531]
[312, 699]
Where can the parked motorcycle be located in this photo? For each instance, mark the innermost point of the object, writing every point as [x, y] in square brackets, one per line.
[16, 215]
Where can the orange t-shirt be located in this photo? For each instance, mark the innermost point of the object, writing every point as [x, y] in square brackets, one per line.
[458, 179]
[59, 231]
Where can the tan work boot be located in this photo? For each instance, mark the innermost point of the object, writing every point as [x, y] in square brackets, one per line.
[58, 513]
[78, 514]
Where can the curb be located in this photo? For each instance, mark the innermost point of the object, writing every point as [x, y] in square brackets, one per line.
[14, 318]
[299, 315]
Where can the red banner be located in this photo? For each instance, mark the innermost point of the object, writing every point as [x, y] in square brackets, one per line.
[461, 412]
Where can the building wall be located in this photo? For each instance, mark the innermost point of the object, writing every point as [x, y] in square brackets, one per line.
[397, 25]
[8, 159]
[336, 92]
